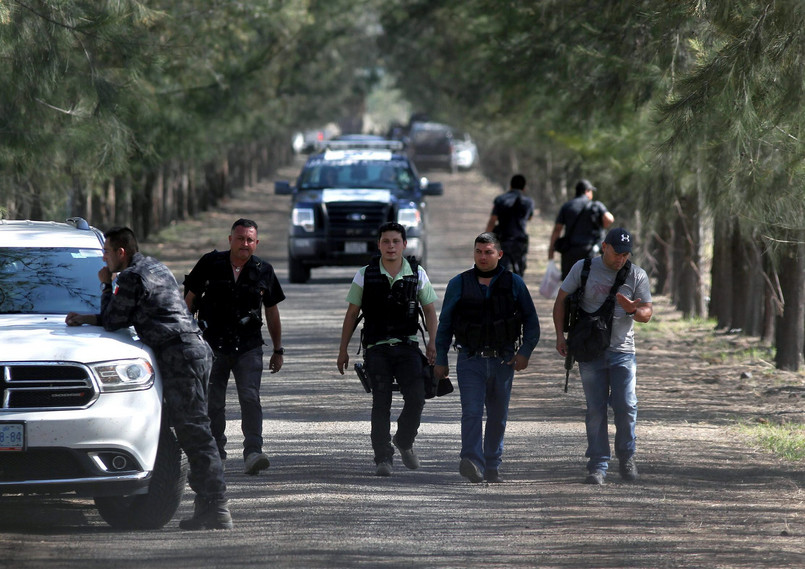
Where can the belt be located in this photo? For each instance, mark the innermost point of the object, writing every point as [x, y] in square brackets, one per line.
[484, 353]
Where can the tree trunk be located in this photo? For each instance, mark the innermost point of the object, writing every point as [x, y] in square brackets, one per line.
[741, 279]
[660, 253]
[791, 325]
[721, 276]
[753, 323]
[772, 306]
[687, 286]
[123, 215]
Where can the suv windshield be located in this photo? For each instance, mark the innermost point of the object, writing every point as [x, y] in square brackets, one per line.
[49, 280]
[391, 175]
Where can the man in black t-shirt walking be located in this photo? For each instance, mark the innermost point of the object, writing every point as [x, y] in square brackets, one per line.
[229, 289]
[510, 214]
[584, 221]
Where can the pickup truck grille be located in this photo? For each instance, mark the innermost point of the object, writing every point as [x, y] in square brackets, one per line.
[356, 219]
[44, 386]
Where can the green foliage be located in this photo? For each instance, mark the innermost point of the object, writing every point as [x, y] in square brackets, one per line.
[94, 90]
[785, 440]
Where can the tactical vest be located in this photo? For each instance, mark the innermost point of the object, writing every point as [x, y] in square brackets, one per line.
[487, 323]
[389, 311]
[230, 310]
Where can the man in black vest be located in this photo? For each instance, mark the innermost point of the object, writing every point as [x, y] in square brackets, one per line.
[490, 312]
[229, 289]
[389, 291]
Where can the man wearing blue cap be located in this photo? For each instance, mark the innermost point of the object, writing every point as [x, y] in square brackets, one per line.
[609, 378]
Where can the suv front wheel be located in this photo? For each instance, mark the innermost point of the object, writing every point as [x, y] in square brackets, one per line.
[156, 508]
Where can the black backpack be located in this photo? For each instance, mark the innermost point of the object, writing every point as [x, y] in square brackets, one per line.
[589, 333]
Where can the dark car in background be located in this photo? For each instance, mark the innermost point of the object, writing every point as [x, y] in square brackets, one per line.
[341, 197]
[431, 146]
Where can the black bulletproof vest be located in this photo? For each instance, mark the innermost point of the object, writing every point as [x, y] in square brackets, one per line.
[482, 322]
[390, 312]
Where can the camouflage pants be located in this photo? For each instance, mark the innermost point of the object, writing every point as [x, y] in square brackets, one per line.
[185, 369]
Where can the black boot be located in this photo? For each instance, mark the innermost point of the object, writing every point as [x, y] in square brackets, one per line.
[208, 514]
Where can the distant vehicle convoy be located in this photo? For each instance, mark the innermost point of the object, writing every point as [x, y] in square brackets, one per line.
[429, 145]
[343, 194]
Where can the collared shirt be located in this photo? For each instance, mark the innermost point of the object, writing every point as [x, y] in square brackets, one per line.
[522, 297]
[425, 293]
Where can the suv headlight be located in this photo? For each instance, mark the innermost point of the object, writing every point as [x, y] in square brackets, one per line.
[303, 217]
[128, 375]
[409, 217]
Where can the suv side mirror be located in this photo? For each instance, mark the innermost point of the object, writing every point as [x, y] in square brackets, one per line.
[283, 188]
[432, 188]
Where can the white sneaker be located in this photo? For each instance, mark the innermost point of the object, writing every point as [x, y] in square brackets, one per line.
[256, 462]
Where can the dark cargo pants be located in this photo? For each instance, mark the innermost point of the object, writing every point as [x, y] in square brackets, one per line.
[383, 364]
[185, 369]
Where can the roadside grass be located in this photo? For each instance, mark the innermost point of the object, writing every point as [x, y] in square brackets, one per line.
[730, 348]
[786, 440]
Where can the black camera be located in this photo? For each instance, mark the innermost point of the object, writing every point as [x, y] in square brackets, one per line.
[252, 317]
[362, 375]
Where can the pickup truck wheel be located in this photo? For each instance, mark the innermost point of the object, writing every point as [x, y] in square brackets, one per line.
[298, 272]
[156, 508]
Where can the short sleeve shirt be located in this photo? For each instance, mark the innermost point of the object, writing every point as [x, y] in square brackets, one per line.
[513, 210]
[590, 227]
[425, 293]
[599, 283]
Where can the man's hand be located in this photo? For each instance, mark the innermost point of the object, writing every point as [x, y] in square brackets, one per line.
[105, 275]
[629, 306]
[519, 361]
[275, 364]
[430, 352]
[76, 319]
[440, 372]
[561, 345]
[343, 361]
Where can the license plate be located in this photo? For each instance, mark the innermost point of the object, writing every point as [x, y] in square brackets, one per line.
[12, 437]
[355, 247]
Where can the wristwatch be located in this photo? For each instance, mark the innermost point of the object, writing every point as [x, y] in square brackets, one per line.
[279, 351]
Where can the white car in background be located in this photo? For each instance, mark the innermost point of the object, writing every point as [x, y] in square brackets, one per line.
[80, 407]
[465, 152]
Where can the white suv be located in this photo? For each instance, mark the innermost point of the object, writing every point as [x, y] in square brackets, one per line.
[80, 407]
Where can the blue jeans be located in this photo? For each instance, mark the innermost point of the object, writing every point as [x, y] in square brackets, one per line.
[248, 371]
[609, 380]
[383, 364]
[483, 383]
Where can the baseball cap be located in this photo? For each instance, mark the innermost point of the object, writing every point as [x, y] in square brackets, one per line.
[619, 239]
[584, 185]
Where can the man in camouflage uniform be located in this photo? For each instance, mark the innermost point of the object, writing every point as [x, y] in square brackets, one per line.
[146, 295]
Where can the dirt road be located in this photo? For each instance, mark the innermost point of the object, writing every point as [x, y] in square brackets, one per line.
[705, 497]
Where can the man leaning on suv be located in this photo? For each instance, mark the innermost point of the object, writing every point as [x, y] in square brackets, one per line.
[146, 295]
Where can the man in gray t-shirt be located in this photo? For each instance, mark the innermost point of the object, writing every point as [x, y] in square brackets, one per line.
[610, 378]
